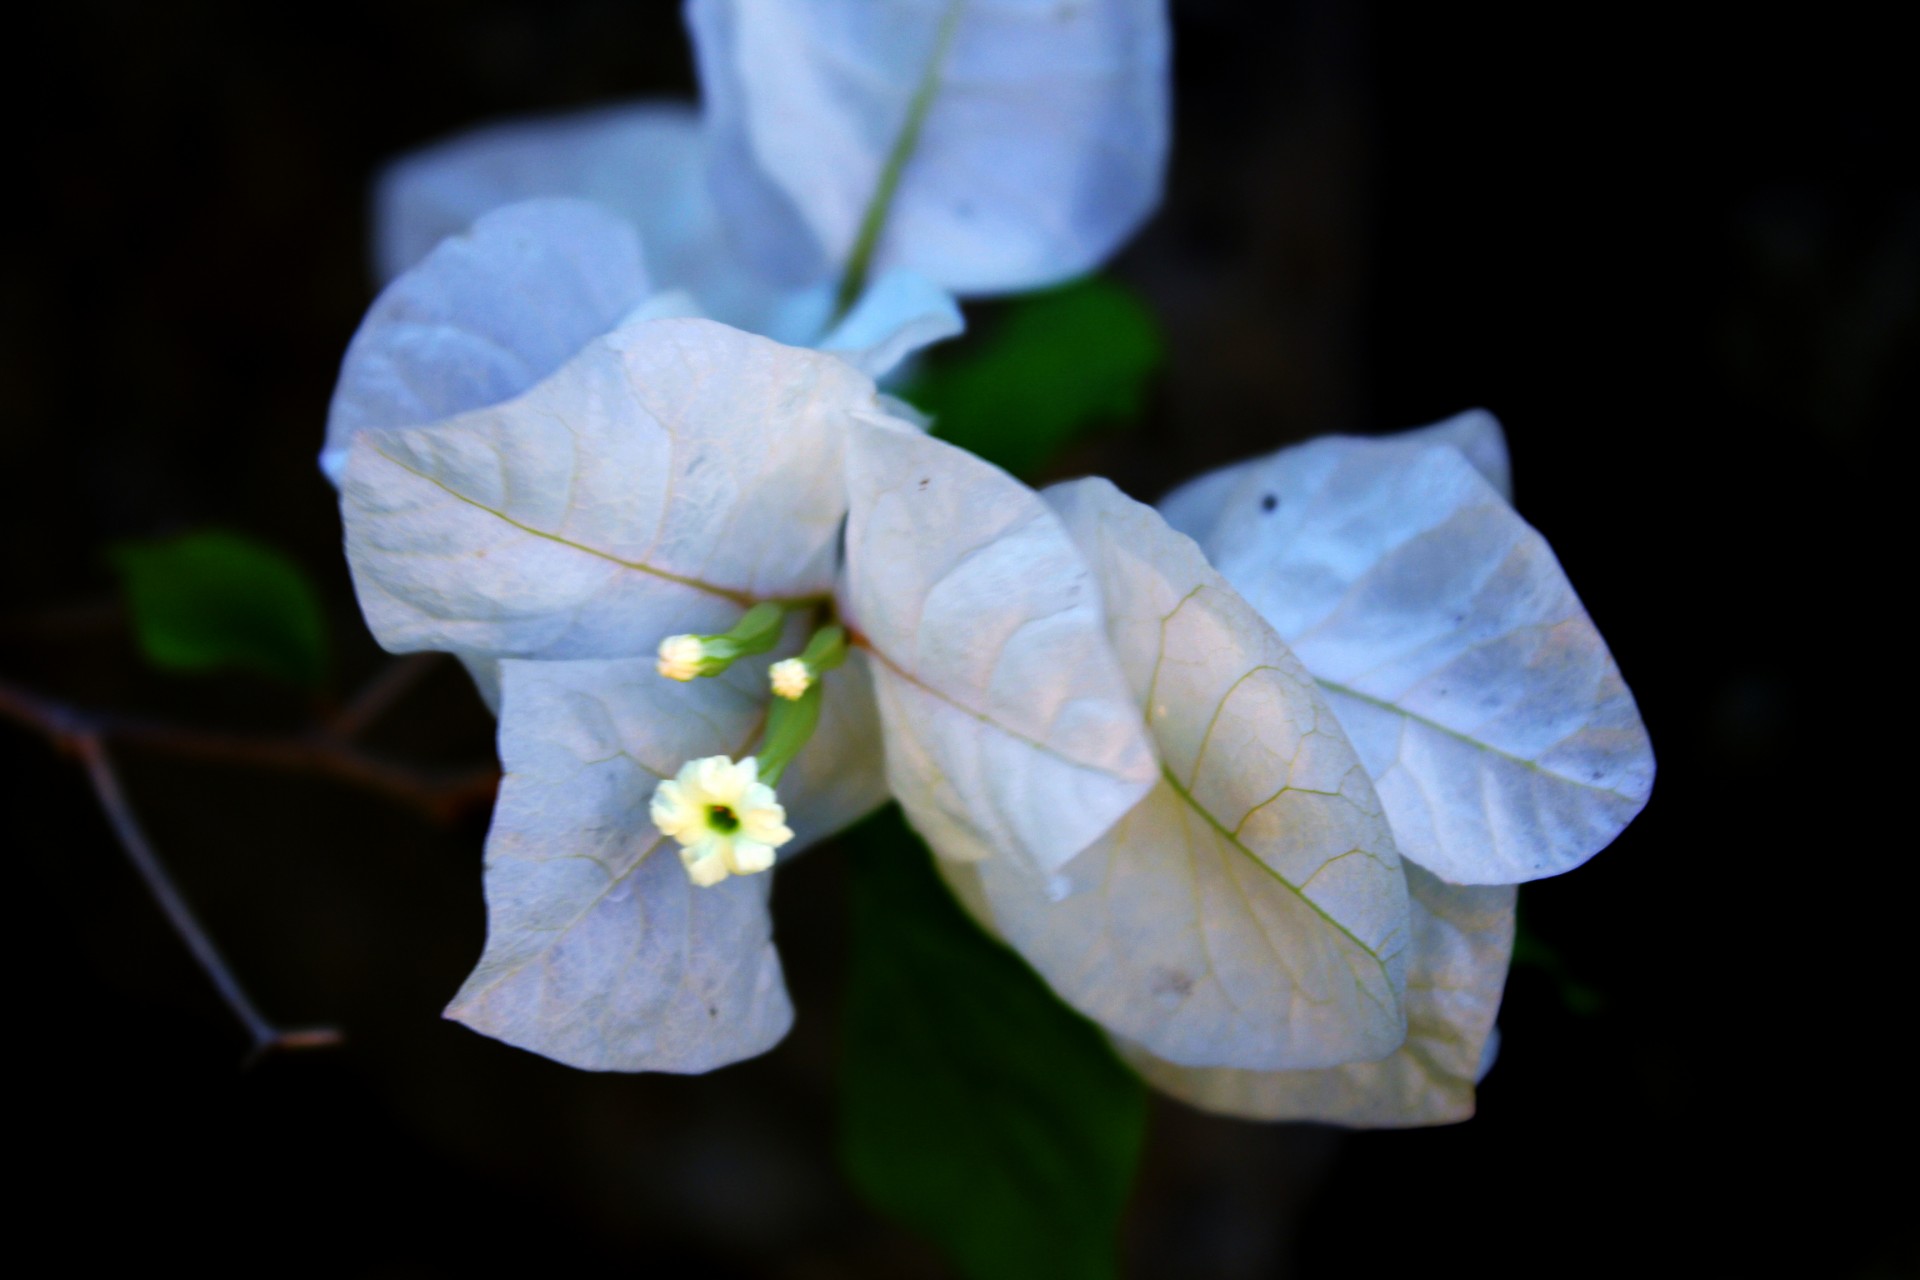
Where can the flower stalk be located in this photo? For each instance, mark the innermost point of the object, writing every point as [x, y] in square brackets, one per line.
[686, 657]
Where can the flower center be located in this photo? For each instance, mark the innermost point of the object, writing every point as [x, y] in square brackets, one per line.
[722, 819]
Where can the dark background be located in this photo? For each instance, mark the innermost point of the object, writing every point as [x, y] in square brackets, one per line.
[1676, 254]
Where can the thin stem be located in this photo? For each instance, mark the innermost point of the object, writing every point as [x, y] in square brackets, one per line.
[324, 751]
[60, 621]
[113, 800]
[439, 795]
[853, 281]
[379, 695]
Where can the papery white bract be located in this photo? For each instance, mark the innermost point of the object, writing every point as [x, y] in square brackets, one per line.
[1462, 937]
[1182, 789]
[495, 309]
[600, 951]
[1250, 910]
[1394, 560]
[1480, 695]
[643, 163]
[1027, 142]
[1038, 131]
[670, 474]
[644, 168]
[665, 477]
[484, 317]
[1010, 730]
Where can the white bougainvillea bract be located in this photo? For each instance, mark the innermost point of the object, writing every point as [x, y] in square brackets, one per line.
[1248, 780]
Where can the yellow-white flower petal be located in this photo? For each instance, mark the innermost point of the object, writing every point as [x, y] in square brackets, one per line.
[727, 821]
[749, 856]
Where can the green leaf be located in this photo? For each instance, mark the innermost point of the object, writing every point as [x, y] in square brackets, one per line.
[1531, 951]
[202, 601]
[1057, 364]
[975, 1107]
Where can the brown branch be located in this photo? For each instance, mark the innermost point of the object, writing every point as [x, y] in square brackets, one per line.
[326, 751]
[438, 794]
[60, 621]
[378, 695]
[106, 786]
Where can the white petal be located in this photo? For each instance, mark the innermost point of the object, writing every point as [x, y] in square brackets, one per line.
[750, 857]
[900, 313]
[642, 161]
[771, 234]
[741, 777]
[1010, 730]
[1199, 505]
[1041, 151]
[670, 809]
[1251, 910]
[600, 953]
[1462, 938]
[1479, 693]
[485, 317]
[668, 304]
[763, 828]
[1477, 435]
[672, 473]
[706, 863]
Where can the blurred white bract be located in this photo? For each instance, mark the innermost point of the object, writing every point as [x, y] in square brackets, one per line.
[1248, 780]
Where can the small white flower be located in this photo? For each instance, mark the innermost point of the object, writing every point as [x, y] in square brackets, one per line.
[727, 821]
[680, 657]
[790, 678]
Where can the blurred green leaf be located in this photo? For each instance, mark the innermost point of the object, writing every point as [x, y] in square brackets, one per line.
[1057, 364]
[213, 599]
[975, 1107]
[1530, 951]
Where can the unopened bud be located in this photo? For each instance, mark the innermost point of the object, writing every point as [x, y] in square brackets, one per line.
[683, 657]
[790, 678]
[680, 657]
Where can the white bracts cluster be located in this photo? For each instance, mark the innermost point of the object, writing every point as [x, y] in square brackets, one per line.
[680, 657]
[727, 821]
[790, 678]
[1372, 702]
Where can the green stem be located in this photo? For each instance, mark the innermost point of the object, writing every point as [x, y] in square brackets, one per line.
[854, 280]
[789, 725]
[826, 649]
